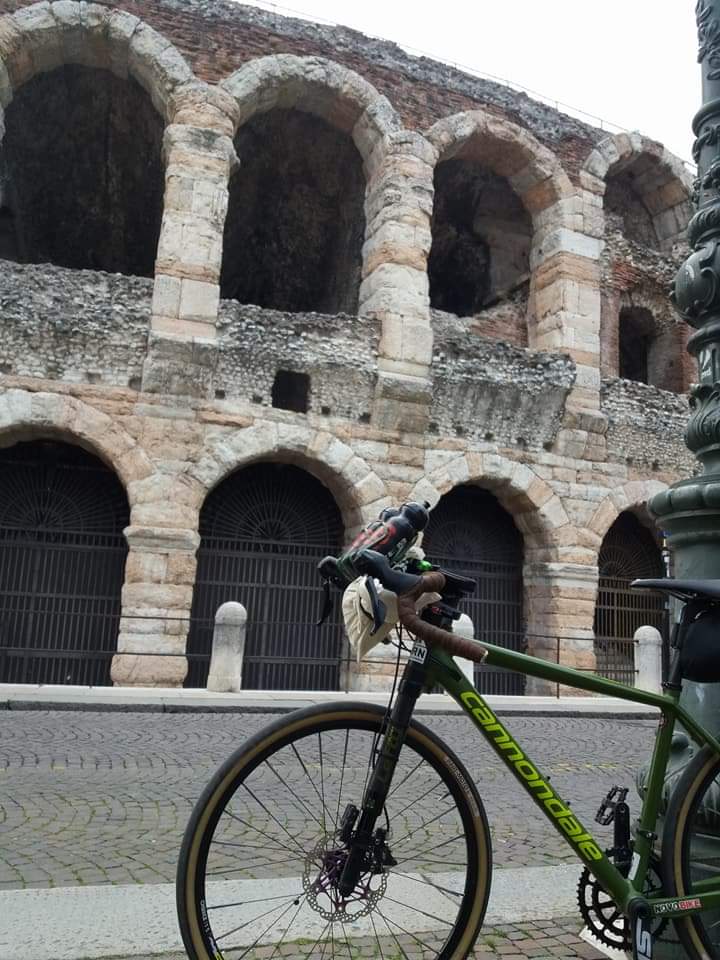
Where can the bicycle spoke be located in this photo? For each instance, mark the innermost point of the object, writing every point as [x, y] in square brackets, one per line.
[296, 796]
[406, 932]
[254, 920]
[244, 903]
[459, 836]
[396, 843]
[310, 779]
[285, 932]
[342, 777]
[423, 913]
[275, 819]
[322, 780]
[429, 883]
[262, 832]
[420, 762]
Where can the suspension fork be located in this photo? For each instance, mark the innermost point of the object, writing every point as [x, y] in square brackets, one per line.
[411, 686]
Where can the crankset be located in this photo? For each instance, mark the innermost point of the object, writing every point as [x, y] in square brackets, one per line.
[602, 917]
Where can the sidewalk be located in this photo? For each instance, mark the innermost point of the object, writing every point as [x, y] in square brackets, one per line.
[179, 700]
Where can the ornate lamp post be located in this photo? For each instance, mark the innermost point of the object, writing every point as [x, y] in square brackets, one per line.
[689, 512]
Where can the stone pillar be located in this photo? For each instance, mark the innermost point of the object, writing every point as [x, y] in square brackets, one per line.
[560, 605]
[648, 659]
[199, 158]
[565, 307]
[156, 601]
[395, 282]
[228, 648]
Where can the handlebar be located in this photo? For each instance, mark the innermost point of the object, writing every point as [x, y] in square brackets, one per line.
[409, 588]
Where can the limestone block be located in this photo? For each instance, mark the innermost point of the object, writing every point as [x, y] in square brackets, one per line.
[155, 596]
[401, 243]
[568, 241]
[425, 491]
[157, 66]
[15, 408]
[40, 36]
[166, 296]
[394, 288]
[181, 568]
[228, 648]
[121, 27]
[161, 539]
[201, 105]
[199, 300]
[145, 567]
[163, 515]
[337, 455]
[148, 671]
[369, 489]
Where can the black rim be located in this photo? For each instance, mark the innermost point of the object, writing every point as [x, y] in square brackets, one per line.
[292, 798]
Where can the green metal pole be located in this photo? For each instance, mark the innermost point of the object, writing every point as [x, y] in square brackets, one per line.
[689, 512]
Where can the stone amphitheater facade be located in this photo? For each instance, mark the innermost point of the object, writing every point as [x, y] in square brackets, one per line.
[165, 373]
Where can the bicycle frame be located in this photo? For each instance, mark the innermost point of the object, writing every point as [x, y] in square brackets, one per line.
[442, 669]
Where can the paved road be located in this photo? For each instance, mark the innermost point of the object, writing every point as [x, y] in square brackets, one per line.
[92, 798]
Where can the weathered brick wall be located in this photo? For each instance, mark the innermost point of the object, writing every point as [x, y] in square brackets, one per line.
[337, 352]
[81, 326]
[218, 36]
[493, 392]
[645, 426]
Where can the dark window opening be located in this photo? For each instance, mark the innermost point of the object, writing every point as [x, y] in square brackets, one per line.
[291, 391]
[635, 338]
[481, 236]
[296, 222]
[8, 237]
[625, 210]
[83, 165]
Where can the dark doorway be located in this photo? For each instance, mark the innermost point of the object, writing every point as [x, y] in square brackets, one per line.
[263, 531]
[62, 564]
[628, 552]
[470, 533]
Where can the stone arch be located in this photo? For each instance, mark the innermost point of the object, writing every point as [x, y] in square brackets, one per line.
[43, 36]
[307, 130]
[498, 194]
[119, 81]
[661, 181]
[634, 496]
[319, 86]
[646, 307]
[357, 489]
[537, 511]
[25, 416]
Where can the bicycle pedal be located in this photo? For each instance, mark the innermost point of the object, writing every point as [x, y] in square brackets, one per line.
[606, 810]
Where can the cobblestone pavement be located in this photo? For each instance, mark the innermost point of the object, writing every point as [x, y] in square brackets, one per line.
[538, 939]
[91, 798]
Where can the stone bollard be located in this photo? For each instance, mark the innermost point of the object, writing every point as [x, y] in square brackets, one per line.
[228, 648]
[648, 659]
[464, 627]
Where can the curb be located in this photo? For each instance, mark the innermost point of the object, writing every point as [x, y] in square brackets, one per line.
[79, 707]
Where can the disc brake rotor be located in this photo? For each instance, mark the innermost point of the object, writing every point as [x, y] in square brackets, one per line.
[323, 868]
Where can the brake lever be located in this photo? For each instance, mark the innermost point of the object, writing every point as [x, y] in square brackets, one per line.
[379, 610]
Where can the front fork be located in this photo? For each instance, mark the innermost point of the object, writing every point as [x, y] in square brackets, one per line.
[361, 842]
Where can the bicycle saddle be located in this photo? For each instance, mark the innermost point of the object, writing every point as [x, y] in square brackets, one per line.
[685, 589]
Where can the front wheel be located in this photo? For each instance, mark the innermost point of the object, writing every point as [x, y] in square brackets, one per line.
[263, 851]
[691, 851]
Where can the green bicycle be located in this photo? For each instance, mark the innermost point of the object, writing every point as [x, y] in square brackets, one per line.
[346, 823]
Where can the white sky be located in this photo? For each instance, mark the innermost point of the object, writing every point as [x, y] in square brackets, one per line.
[631, 62]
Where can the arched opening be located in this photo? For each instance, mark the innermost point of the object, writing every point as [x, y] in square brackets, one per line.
[296, 222]
[479, 259]
[648, 352]
[62, 564]
[84, 173]
[629, 551]
[263, 531]
[471, 533]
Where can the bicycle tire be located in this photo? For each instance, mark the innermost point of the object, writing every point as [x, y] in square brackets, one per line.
[244, 779]
[686, 854]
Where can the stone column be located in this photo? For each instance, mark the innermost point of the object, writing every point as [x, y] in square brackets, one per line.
[156, 601]
[395, 282]
[228, 648]
[648, 659]
[560, 604]
[199, 157]
[565, 297]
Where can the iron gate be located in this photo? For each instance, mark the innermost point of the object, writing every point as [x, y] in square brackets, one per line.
[62, 563]
[263, 532]
[471, 534]
[628, 552]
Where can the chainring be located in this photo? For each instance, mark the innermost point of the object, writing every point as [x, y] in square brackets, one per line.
[603, 919]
